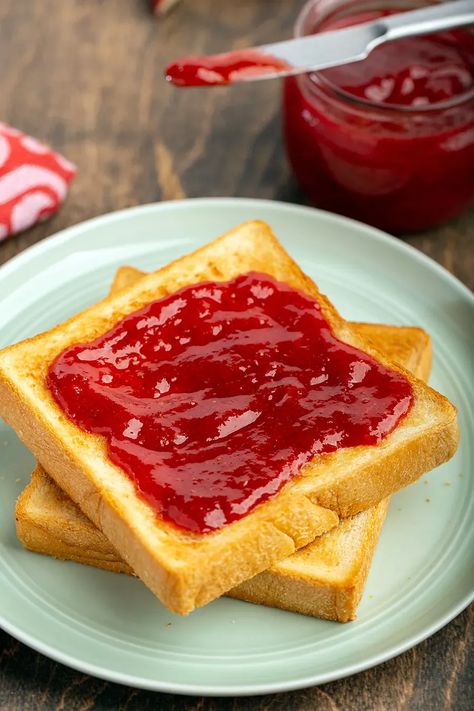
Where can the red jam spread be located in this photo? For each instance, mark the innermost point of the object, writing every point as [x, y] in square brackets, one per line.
[212, 398]
[389, 140]
[222, 68]
[419, 71]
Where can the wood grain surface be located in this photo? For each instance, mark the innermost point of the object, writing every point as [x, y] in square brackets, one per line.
[86, 76]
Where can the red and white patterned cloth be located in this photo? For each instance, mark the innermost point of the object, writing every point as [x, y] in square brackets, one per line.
[34, 181]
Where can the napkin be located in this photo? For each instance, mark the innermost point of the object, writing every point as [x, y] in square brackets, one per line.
[34, 181]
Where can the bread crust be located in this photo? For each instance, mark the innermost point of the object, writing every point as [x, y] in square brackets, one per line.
[186, 571]
[305, 586]
[47, 521]
[298, 589]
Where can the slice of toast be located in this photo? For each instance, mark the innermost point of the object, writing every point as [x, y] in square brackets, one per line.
[187, 570]
[324, 579]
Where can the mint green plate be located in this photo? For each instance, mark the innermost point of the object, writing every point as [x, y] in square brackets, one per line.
[111, 626]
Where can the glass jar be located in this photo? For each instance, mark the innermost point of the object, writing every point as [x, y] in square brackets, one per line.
[399, 167]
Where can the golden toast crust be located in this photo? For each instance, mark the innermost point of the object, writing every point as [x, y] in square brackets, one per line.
[45, 526]
[298, 589]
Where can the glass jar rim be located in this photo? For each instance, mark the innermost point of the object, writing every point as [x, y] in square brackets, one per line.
[299, 31]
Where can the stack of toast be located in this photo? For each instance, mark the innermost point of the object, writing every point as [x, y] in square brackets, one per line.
[307, 548]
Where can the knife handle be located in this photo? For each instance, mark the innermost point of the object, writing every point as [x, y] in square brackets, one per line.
[439, 17]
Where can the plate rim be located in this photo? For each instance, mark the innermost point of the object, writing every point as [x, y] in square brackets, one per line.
[230, 690]
[397, 243]
[75, 232]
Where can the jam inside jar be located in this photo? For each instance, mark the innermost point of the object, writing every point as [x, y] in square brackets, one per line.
[389, 140]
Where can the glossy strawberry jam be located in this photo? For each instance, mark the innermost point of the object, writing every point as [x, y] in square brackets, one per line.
[212, 398]
[388, 140]
[222, 68]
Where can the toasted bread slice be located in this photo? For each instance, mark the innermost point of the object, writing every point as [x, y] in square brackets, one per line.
[324, 579]
[188, 570]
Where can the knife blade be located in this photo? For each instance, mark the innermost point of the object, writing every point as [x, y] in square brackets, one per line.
[318, 51]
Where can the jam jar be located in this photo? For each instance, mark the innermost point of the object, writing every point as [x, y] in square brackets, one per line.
[388, 140]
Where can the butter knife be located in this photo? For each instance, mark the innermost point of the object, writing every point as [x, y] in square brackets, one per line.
[318, 51]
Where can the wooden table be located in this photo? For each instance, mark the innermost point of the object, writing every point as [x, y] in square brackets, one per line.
[85, 75]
